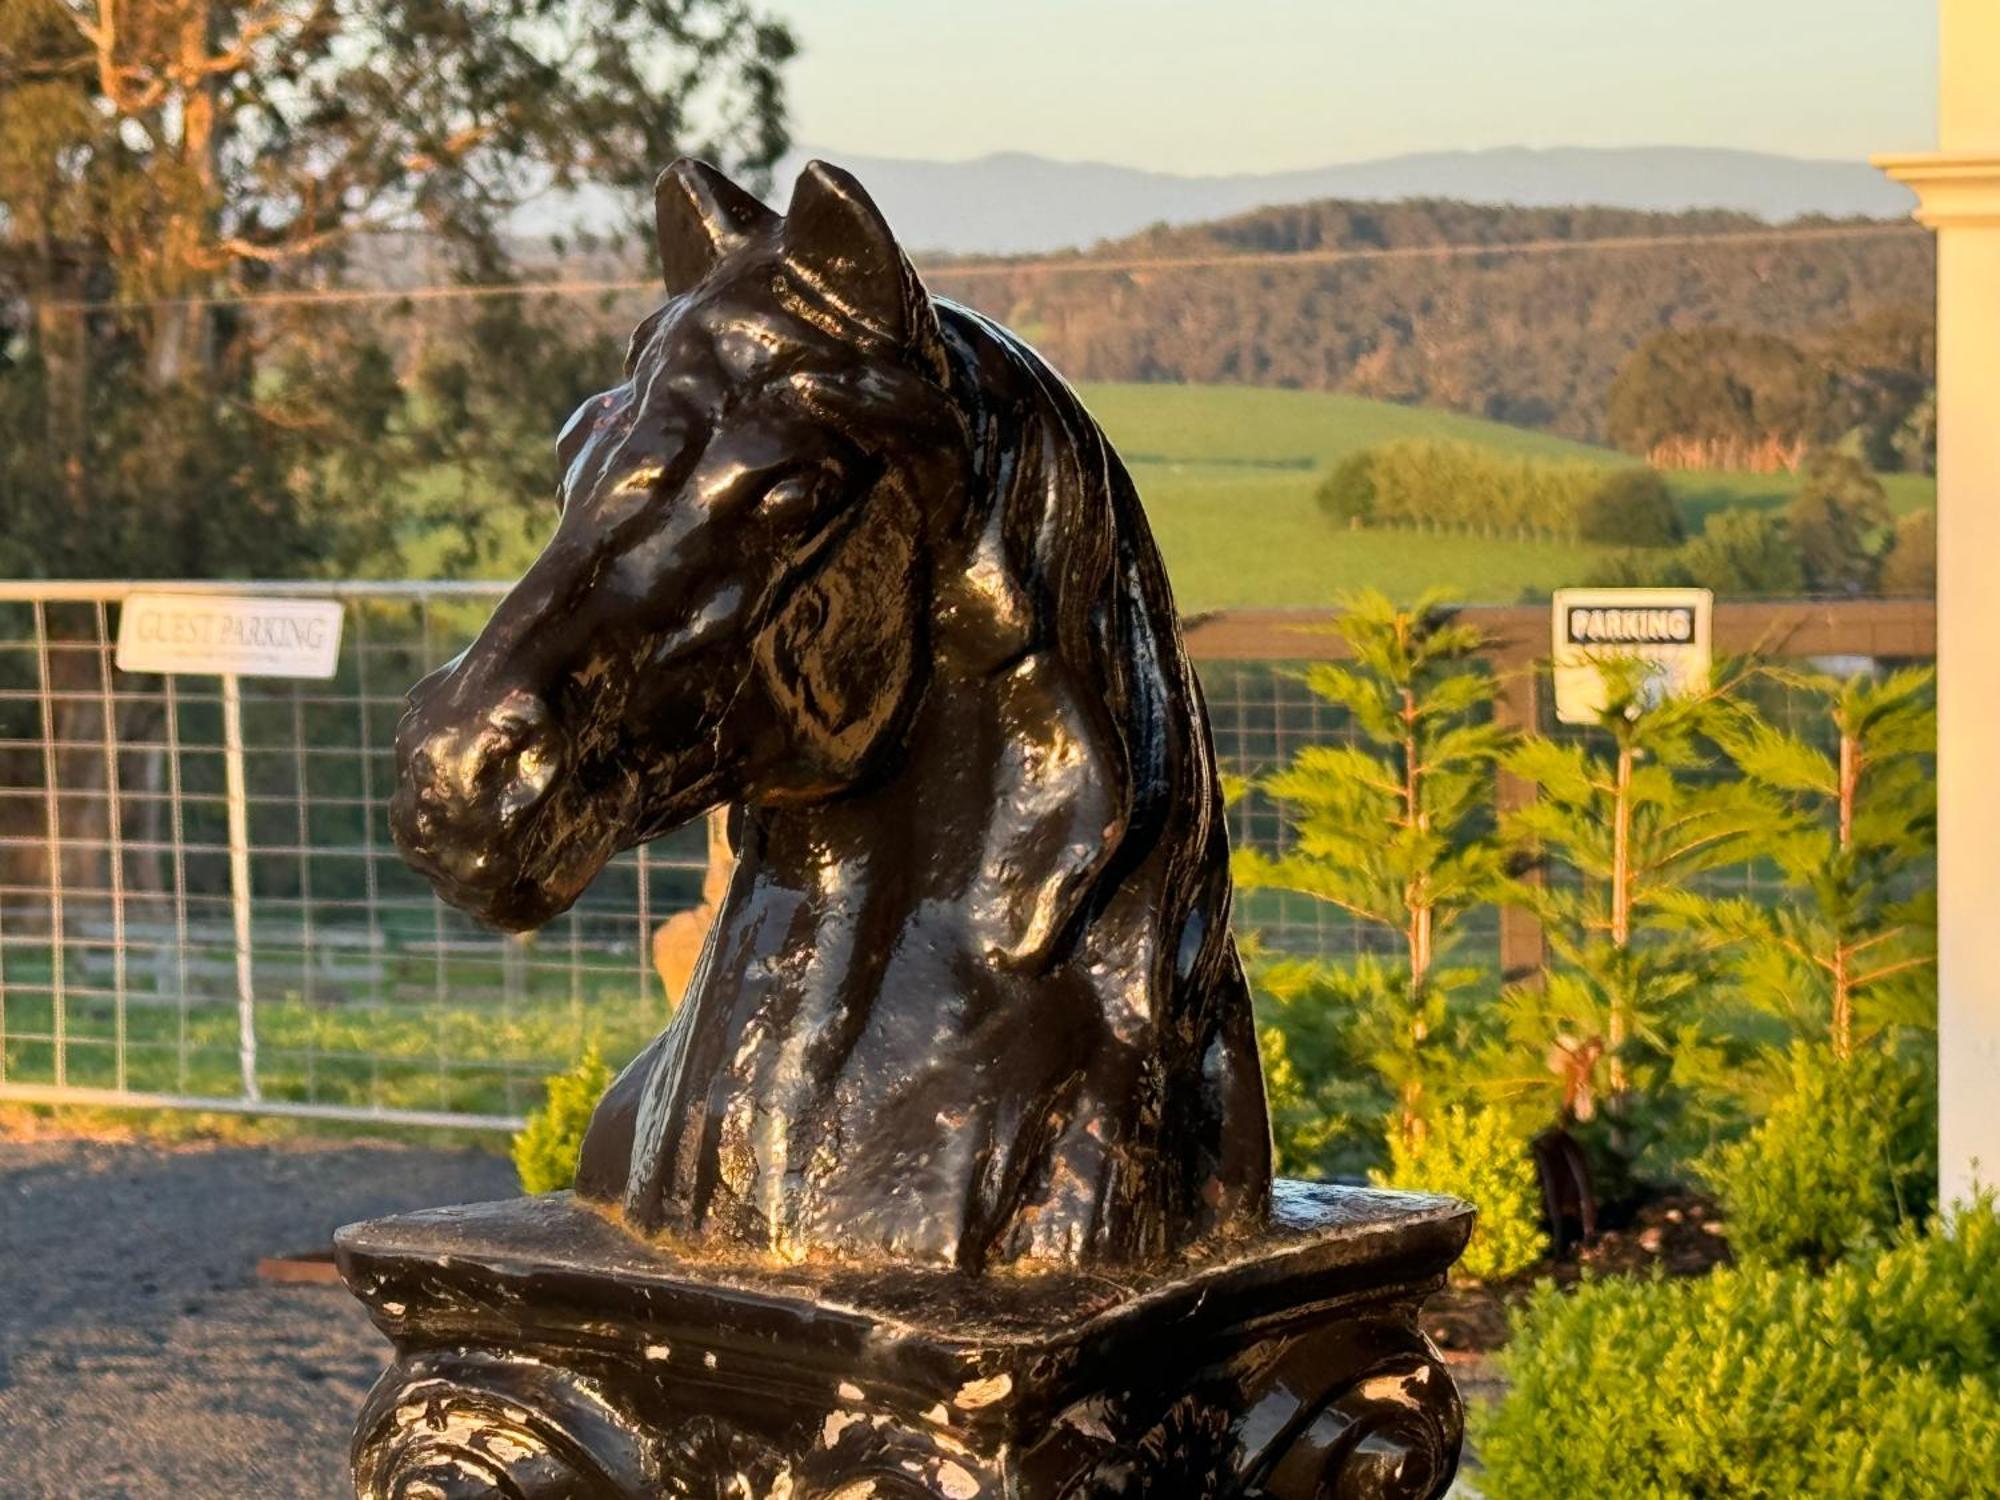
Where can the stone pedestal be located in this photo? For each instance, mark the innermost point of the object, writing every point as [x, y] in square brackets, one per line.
[544, 1354]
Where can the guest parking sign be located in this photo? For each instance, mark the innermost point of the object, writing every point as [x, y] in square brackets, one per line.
[1668, 629]
[226, 635]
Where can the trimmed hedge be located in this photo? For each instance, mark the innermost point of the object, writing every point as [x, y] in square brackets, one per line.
[1880, 1378]
[1465, 487]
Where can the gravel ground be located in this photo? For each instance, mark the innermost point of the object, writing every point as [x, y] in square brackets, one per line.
[141, 1357]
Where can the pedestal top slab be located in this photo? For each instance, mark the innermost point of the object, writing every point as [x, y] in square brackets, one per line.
[992, 1347]
[1337, 1240]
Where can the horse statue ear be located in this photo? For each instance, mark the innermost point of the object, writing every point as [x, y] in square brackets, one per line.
[701, 216]
[837, 242]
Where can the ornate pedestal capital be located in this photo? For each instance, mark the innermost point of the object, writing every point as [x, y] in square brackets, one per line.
[544, 1354]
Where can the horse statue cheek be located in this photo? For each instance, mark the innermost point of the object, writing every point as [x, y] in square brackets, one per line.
[951, 1175]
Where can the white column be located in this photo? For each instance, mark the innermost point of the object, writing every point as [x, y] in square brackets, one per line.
[1959, 191]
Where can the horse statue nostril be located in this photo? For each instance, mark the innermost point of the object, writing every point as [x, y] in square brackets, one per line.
[534, 774]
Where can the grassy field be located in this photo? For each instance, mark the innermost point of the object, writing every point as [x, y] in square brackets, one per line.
[475, 1053]
[1294, 431]
[1228, 475]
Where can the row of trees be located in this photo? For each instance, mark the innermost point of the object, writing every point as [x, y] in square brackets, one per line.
[1724, 398]
[1467, 487]
[1768, 1047]
[1836, 536]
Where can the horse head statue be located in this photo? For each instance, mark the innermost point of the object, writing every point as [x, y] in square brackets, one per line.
[855, 562]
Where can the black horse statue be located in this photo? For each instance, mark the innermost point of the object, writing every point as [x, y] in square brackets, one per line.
[857, 562]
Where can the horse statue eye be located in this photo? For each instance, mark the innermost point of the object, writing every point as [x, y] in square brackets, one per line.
[790, 499]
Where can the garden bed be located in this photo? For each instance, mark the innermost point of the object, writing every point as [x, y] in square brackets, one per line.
[1673, 1233]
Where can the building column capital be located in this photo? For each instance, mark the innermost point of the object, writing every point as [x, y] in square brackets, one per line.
[1953, 188]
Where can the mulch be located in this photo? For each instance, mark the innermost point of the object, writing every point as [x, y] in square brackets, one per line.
[1671, 1234]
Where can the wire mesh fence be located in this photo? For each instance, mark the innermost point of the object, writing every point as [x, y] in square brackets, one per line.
[118, 961]
[358, 994]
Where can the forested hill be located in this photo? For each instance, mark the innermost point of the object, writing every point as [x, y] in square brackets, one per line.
[1530, 338]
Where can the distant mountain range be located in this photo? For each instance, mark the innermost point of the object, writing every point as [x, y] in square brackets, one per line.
[1531, 340]
[1016, 203]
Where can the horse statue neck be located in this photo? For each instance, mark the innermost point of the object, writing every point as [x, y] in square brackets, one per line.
[984, 1008]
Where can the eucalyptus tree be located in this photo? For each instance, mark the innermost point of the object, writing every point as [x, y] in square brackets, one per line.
[160, 160]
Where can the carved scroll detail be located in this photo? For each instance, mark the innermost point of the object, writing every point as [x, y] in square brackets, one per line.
[1394, 1434]
[475, 1427]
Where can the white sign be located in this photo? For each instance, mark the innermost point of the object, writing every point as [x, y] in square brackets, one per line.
[229, 635]
[1665, 628]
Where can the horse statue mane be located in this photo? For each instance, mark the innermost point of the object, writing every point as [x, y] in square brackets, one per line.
[857, 563]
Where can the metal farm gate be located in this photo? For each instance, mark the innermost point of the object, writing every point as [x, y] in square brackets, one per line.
[367, 997]
[351, 992]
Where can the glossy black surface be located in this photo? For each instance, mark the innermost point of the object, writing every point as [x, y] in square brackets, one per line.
[546, 1355]
[860, 564]
[951, 1177]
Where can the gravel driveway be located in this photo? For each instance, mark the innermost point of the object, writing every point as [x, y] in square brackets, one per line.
[141, 1357]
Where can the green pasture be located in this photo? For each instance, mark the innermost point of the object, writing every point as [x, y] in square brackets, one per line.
[1228, 475]
[474, 1053]
[1248, 540]
[1701, 493]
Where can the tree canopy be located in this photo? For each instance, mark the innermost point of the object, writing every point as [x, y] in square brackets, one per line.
[1718, 397]
[162, 161]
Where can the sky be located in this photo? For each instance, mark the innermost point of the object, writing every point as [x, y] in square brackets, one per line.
[1219, 86]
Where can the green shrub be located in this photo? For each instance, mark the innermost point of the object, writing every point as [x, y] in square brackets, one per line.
[1482, 1157]
[1316, 1117]
[1348, 495]
[1911, 566]
[1879, 1379]
[1744, 552]
[1740, 553]
[1840, 524]
[546, 1150]
[1845, 1156]
[1630, 508]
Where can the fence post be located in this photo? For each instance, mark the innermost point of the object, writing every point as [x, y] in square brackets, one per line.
[52, 814]
[239, 879]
